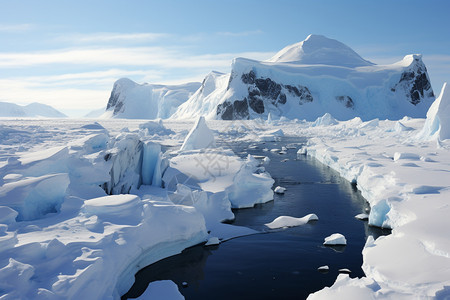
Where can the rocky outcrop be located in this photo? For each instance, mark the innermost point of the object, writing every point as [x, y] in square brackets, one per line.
[415, 81]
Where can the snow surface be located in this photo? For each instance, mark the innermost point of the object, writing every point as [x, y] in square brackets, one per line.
[318, 49]
[90, 244]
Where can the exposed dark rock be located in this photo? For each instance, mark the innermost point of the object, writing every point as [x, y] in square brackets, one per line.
[261, 92]
[248, 78]
[268, 88]
[420, 85]
[112, 99]
[233, 111]
[346, 100]
[256, 104]
[415, 82]
[282, 98]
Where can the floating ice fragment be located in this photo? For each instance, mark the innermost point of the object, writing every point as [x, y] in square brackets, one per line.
[287, 221]
[301, 151]
[323, 269]
[362, 217]
[213, 241]
[335, 239]
[161, 290]
[345, 271]
[280, 190]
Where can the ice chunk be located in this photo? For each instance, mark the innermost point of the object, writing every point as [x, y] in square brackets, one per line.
[399, 127]
[325, 120]
[7, 215]
[286, 221]
[301, 151]
[200, 137]
[335, 239]
[379, 214]
[215, 207]
[151, 128]
[34, 197]
[280, 190]
[271, 136]
[249, 188]
[126, 156]
[266, 160]
[362, 217]
[344, 271]
[14, 275]
[212, 241]
[323, 269]
[370, 124]
[437, 124]
[161, 290]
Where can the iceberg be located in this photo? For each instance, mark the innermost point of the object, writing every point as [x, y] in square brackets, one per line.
[200, 136]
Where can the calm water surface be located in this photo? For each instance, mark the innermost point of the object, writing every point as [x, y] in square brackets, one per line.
[281, 264]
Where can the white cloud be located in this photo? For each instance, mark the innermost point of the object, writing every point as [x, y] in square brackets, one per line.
[130, 56]
[16, 27]
[91, 89]
[103, 37]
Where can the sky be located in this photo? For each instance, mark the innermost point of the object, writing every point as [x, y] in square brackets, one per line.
[68, 54]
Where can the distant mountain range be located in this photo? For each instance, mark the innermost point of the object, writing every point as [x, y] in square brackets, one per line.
[33, 110]
[305, 80]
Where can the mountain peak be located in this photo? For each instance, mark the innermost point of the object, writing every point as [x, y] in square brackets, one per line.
[318, 49]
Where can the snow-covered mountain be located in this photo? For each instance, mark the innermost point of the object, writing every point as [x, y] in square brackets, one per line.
[33, 110]
[304, 80]
[313, 77]
[146, 101]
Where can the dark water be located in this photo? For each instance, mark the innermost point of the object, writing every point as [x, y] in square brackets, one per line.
[281, 264]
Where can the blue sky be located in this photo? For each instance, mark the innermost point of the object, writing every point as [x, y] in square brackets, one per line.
[69, 53]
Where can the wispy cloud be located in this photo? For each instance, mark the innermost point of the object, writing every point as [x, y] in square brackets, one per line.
[12, 28]
[111, 37]
[134, 56]
[241, 33]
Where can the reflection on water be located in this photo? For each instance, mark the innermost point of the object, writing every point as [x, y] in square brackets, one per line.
[281, 264]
